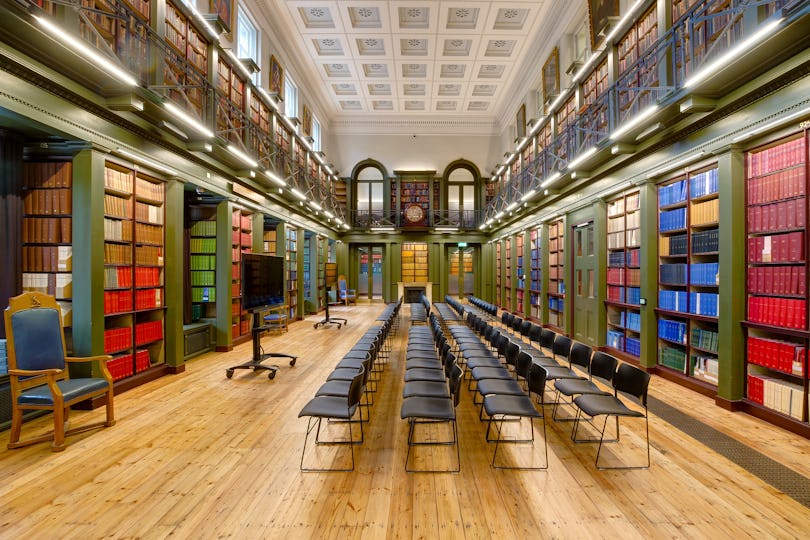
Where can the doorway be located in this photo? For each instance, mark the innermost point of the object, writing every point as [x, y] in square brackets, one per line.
[370, 264]
[460, 279]
[585, 301]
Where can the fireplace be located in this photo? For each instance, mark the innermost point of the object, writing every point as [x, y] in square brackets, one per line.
[412, 291]
[413, 295]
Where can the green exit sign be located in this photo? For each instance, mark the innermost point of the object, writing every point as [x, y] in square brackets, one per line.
[462, 244]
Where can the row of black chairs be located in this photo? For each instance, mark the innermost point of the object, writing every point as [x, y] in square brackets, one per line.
[572, 370]
[348, 391]
[487, 307]
[431, 390]
[420, 310]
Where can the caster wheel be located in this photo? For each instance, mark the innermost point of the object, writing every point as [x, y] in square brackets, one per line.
[271, 375]
[292, 362]
[229, 373]
[315, 325]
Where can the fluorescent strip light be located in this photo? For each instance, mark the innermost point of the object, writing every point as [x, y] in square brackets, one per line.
[146, 161]
[269, 98]
[511, 206]
[96, 58]
[489, 221]
[329, 214]
[246, 159]
[551, 179]
[640, 117]
[382, 229]
[511, 159]
[346, 226]
[584, 67]
[556, 102]
[499, 215]
[623, 20]
[298, 194]
[528, 195]
[582, 157]
[676, 164]
[446, 229]
[771, 124]
[315, 205]
[482, 226]
[183, 116]
[738, 49]
[306, 143]
[239, 64]
[536, 126]
[500, 170]
[288, 121]
[339, 221]
[522, 144]
[273, 178]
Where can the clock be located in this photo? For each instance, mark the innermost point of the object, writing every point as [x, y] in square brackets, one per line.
[414, 213]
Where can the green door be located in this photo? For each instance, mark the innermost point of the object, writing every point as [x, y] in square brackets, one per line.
[584, 292]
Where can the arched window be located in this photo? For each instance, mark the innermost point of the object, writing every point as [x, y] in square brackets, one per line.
[461, 197]
[369, 187]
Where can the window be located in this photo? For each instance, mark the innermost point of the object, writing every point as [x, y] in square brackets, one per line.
[369, 196]
[581, 44]
[247, 40]
[316, 135]
[461, 197]
[290, 98]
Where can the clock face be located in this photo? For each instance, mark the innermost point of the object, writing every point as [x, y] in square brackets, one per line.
[414, 213]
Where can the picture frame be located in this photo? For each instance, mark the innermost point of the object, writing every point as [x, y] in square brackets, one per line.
[600, 12]
[276, 83]
[551, 75]
[224, 9]
[520, 121]
[306, 121]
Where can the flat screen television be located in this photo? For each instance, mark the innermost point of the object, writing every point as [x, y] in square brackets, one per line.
[262, 280]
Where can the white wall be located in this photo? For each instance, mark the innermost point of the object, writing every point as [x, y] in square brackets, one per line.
[412, 152]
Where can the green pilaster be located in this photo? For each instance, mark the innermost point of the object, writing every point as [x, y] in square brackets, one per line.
[483, 271]
[544, 277]
[649, 273]
[174, 257]
[731, 342]
[394, 264]
[299, 259]
[224, 339]
[600, 247]
[88, 252]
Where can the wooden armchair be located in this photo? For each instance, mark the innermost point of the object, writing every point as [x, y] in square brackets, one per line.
[345, 294]
[275, 318]
[38, 370]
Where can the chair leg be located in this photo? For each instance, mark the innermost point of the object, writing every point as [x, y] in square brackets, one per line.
[630, 467]
[58, 428]
[16, 427]
[110, 411]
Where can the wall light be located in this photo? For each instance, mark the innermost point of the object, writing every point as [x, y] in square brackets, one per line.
[639, 118]
[145, 161]
[528, 195]
[275, 179]
[771, 124]
[550, 180]
[675, 164]
[246, 159]
[184, 117]
[582, 157]
[298, 194]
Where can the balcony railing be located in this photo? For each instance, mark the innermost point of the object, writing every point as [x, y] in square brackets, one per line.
[462, 219]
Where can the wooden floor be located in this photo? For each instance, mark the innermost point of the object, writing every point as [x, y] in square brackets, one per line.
[198, 455]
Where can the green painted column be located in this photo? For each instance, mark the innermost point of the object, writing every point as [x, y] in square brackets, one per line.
[222, 331]
[544, 277]
[600, 246]
[174, 257]
[649, 274]
[731, 339]
[394, 264]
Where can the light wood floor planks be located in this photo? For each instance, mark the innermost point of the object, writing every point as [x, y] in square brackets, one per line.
[197, 455]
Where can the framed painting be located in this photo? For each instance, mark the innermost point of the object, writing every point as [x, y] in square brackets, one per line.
[551, 75]
[306, 121]
[520, 121]
[276, 77]
[599, 14]
[223, 8]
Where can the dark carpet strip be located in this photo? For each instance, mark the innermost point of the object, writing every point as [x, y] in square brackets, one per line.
[774, 473]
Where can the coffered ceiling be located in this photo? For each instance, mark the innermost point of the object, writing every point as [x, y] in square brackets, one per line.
[427, 60]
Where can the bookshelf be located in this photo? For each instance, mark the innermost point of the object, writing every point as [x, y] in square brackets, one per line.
[307, 267]
[320, 261]
[414, 262]
[624, 274]
[231, 97]
[521, 273]
[688, 275]
[556, 274]
[203, 263]
[291, 255]
[339, 191]
[191, 47]
[133, 271]
[241, 241]
[776, 328]
[536, 273]
[283, 149]
[507, 274]
[415, 194]
[498, 274]
[47, 246]
[270, 242]
[629, 50]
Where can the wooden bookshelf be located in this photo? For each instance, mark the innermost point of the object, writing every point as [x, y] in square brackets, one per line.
[556, 273]
[47, 232]
[498, 273]
[291, 256]
[308, 253]
[241, 241]
[203, 262]
[283, 149]
[321, 263]
[520, 269]
[624, 274]
[270, 242]
[192, 50]
[414, 262]
[688, 275]
[415, 194]
[777, 336]
[231, 100]
[638, 39]
[507, 274]
[536, 273]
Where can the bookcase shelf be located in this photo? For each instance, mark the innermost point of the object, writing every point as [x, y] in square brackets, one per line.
[415, 193]
[134, 307]
[291, 254]
[624, 274]
[536, 273]
[203, 263]
[688, 275]
[520, 270]
[556, 273]
[507, 276]
[776, 329]
[241, 241]
[499, 273]
[414, 262]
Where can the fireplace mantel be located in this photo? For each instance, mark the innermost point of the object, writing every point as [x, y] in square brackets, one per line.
[427, 285]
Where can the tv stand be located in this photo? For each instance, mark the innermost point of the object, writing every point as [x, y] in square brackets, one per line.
[260, 356]
[339, 321]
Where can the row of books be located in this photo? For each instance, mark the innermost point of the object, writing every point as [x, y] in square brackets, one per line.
[672, 274]
[57, 285]
[117, 180]
[53, 230]
[122, 366]
[148, 233]
[117, 231]
[774, 217]
[48, 202]
[628, 319]
[672, 220]
[47, 258]
[622, 204]
[778, 157]
[148, 332]
[204, 294]
[788, 247]
[117, 207]
[673, 358]
[703, 184]
[704, 339]
[705, 367]
[785, 356]
[117, 277]
[777, 280]
[242, 221]
[117, 302]
[632, 346]
[672, 330]
[3, 357]
[149, 255]
[148, 298]
[207, 228]
[706, 241]
[697, 303]
[622, 222]
[704, 274]
[117, 254]
[556, 304]
[148, 213]
[202, 245]
[673, 245]
[47, 174]
[785, 312]
[629, 238]
[777, 394]
[201, 278]
[117, 339]
[152, 191]
[615, 339]
[242, 238]
[781, 185]
[673, 193]
[705, 212]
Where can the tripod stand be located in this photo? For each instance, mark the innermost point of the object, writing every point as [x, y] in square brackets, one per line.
[339, 321]
[258, 354]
